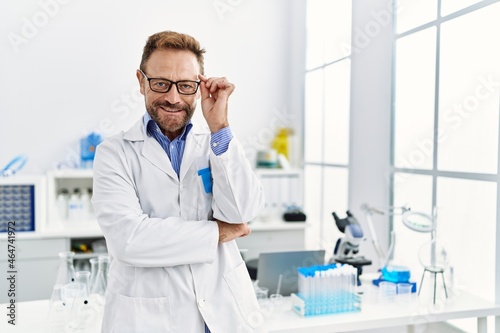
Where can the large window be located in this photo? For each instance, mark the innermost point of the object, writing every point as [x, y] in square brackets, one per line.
[446, 126]
[326, 126]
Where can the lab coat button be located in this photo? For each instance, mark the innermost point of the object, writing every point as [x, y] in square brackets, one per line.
[201, 303]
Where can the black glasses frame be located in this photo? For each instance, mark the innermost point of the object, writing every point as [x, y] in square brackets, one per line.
[171, 84]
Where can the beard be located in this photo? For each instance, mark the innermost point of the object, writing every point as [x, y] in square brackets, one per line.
[171, 123]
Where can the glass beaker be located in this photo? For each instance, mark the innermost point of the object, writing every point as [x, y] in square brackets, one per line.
[66, 271]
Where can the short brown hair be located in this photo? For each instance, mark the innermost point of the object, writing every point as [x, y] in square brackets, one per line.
[172, 40]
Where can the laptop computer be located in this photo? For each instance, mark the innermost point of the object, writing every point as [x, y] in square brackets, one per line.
[273, 264]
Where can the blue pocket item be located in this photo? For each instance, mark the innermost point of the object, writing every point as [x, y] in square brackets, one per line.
[206, 178]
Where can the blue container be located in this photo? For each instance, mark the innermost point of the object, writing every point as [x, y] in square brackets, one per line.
[88, 146]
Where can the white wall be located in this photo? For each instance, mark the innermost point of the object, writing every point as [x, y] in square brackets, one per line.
[68, 67]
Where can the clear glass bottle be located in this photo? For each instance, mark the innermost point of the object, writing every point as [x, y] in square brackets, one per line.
[62, 204]
[75, 206]
[91, 207]
[85, 204]
[66, 271]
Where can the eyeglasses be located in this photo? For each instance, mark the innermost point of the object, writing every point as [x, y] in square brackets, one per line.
[184, 87]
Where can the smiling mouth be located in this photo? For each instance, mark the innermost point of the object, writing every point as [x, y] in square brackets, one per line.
[166, 109]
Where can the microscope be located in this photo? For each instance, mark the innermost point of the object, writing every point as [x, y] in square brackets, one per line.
[347, 247]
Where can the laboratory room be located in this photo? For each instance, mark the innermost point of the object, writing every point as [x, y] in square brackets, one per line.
[237, 166]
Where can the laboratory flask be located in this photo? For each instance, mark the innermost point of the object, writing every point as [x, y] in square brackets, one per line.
[83, 280]
[58, 310]
[105, 268]
[66, 271]
[83, 314]
[94, 264]
[100, 282]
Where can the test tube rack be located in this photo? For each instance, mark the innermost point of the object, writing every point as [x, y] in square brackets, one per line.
[305, 307]
[326, 289]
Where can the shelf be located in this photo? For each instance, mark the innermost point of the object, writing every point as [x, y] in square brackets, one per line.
[57, 233]
[70, 180]
[81, 256]
[71, 173]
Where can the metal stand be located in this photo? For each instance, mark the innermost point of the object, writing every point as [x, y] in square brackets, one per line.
[435, 271]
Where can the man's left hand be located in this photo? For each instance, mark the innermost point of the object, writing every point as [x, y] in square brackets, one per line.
[215, 92]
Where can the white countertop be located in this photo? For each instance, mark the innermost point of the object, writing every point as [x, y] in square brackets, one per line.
[378, 315]
[31, 316]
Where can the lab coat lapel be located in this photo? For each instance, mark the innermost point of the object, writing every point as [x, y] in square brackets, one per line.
[192, 150]
[154, 153]
[151, 150]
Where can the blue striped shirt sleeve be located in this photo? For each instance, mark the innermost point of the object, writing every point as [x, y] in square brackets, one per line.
[220, 140]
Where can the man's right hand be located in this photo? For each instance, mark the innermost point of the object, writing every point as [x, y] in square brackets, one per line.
[230, 231]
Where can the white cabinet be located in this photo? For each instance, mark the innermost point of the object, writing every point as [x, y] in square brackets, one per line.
[272, 236]
[75, 211]
[37, 248]
[36, 264]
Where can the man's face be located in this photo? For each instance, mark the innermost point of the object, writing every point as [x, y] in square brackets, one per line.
[171, 110]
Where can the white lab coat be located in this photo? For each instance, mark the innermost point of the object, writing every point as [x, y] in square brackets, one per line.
[167, 271]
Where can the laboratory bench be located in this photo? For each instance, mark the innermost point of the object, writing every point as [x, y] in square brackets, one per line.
[381, 316]
[37, 259]
[374, 316]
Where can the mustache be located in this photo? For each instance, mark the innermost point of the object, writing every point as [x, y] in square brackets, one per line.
[173, 106]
